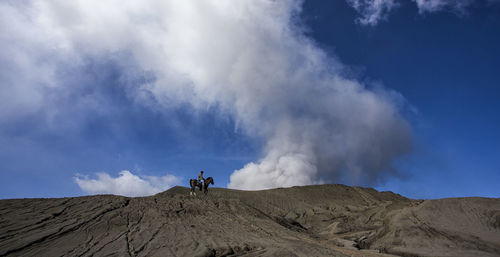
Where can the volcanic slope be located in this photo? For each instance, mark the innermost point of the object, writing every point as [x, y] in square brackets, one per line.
[322, 220]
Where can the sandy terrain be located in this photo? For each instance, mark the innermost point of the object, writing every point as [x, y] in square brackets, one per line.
[326, 220]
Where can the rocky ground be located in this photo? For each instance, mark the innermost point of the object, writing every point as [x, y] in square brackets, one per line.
[324, 220]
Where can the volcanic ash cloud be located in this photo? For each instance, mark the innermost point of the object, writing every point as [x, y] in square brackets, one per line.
[250, 59]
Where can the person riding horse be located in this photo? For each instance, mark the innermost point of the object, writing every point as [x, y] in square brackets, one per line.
[201, 183]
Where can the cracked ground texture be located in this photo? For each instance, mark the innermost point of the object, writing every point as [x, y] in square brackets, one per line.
[325, 220]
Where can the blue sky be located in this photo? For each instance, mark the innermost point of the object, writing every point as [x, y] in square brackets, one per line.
[446, 66]
[78, 101]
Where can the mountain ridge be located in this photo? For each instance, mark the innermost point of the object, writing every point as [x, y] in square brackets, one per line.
[318, 220]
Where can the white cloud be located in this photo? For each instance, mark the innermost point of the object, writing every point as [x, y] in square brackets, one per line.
[372, 11]
[246, 58]
[126, 184]
[439, 5]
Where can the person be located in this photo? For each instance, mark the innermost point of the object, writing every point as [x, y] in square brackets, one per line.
[200, 177]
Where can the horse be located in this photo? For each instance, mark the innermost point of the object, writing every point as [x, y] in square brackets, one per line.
[207, 182]
[194, 183]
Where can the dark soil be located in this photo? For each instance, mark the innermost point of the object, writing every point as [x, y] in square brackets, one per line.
[325, 220]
